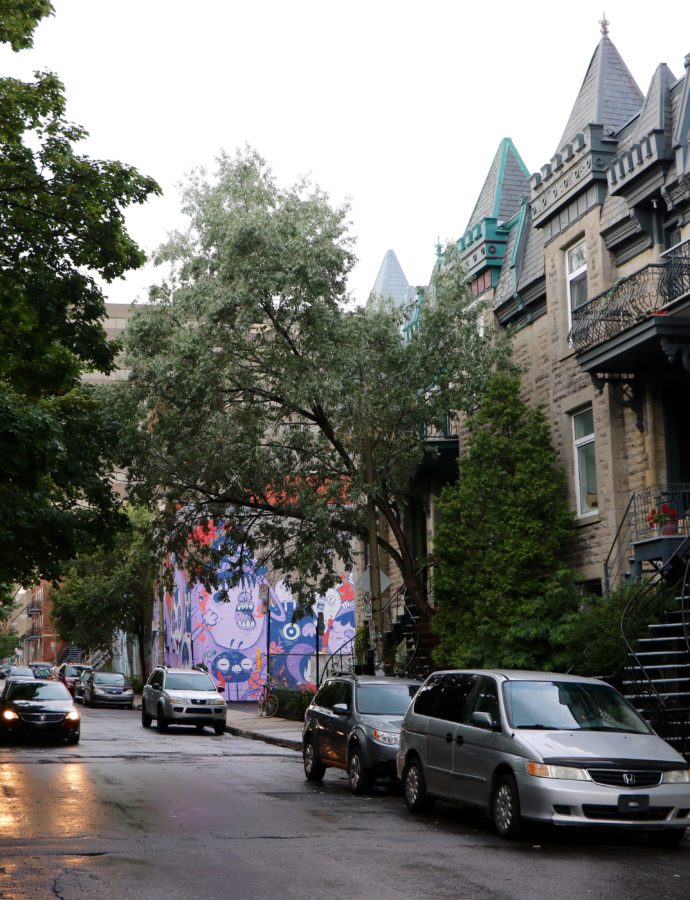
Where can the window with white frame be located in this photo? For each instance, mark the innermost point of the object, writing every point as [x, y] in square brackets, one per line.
[585, 462]
[576, 271]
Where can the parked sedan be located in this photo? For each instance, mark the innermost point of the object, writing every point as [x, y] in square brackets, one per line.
[108, 689]
[20, 672]
[38, 708]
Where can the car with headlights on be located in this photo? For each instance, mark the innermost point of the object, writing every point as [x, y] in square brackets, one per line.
[182, 697]
[353, 723]
[107, 689]
[541, 747]
[38, 708]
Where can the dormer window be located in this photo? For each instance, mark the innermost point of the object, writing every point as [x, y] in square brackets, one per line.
[576, 271]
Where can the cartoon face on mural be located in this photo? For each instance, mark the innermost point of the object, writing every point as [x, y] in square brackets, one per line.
[226, 629]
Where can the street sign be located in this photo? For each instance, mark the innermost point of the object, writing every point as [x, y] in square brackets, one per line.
[367, 607]
[364, 581]
[263, 596]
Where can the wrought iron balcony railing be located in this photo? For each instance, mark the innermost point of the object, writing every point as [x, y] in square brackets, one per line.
[632, 299]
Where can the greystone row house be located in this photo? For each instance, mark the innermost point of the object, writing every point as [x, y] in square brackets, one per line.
[587, 261]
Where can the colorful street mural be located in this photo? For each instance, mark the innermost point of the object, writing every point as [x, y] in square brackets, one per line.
[237, 641]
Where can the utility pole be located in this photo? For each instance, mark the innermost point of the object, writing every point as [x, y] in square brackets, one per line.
[374, 569]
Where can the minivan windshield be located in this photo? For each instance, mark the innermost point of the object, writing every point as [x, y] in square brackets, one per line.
[569, 706]
[385, 699]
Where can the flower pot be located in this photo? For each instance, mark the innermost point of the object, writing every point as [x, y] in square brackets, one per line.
[670, 527]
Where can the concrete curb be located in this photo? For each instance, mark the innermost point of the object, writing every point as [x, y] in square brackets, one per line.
[266, 738]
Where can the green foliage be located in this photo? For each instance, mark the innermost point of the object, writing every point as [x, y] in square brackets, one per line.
[292, 704]
[61, 223]
[18, 19]
[259, 384]
[499, 583]
[109, 589]
[8, 642]
[591, 635]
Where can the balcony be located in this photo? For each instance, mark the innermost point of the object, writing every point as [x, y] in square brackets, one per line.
[655, 523]
[632, 300]
[35, 607]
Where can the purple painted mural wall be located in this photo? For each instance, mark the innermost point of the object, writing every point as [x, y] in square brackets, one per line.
[237, 641]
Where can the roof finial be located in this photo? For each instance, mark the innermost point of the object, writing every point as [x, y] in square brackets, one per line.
[604, 25]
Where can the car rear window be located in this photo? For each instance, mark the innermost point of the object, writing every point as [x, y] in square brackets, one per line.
[189, 681]
[109, 678]
[27, 690]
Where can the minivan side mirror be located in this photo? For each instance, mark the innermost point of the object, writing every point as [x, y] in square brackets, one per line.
[484, 720]
[340, 709]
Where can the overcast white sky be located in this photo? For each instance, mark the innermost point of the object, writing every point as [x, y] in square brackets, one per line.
[398, 105]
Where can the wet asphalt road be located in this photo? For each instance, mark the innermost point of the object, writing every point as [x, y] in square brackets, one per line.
[130, 813]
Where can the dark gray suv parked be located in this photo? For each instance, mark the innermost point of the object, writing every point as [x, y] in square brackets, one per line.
[353, 723]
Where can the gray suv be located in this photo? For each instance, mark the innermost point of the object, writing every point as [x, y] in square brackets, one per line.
[353, 723]
[182, 697]
[541, 746]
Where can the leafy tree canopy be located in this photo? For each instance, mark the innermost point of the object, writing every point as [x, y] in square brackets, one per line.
[61, 225]
[256, 385]
[500, 585]
[8, 642]
[110, 589]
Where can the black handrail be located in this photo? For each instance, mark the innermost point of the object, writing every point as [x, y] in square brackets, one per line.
[640, 610]
[398, 596]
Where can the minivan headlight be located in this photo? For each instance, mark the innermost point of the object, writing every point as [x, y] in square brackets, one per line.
[570, 773]
[676, 776]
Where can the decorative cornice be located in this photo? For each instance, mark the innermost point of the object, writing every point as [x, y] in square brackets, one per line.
[558, 183]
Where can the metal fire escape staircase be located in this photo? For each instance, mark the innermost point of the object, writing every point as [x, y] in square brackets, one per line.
[407, 639]
[656, 630]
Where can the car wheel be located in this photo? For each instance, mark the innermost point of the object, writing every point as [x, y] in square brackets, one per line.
[414, 787]
[161, 721]
[145, 717]
[505, 806]
[313, 769]
[669, 837]
[219, 728]
[359, 777]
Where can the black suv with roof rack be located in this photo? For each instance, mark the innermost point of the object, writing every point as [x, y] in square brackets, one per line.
[353, 723]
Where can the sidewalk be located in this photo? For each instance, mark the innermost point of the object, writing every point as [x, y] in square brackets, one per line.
[243, 720]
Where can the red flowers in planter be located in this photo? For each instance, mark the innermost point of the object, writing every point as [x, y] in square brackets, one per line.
[661, 516]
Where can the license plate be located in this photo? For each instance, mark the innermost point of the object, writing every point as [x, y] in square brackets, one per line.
[633, 802]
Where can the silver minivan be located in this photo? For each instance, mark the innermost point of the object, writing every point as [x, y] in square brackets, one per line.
[544, 747]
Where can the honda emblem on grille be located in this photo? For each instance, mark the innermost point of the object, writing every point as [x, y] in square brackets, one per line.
[42, 717]
[628, 778]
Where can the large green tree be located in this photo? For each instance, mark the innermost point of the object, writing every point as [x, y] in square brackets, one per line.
[61, 225]
[500, 584]
[110, 590]
[256, 386]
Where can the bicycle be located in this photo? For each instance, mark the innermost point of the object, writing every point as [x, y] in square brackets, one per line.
[268, 702]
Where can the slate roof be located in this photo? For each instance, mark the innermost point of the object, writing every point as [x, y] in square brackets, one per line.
[391, 283]
[506, 183]
[609, 95]
[657, 111]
